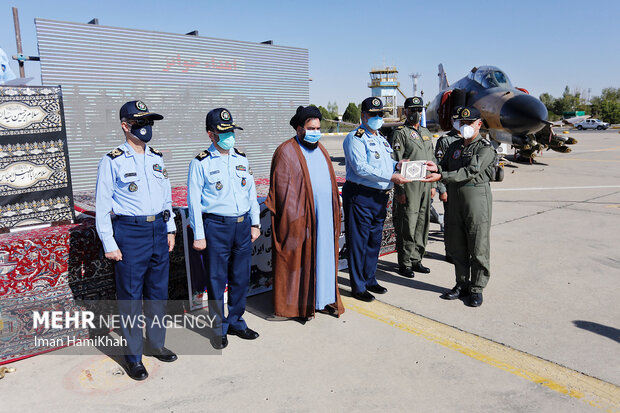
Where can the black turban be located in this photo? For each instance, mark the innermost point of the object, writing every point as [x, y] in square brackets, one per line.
[303, 114]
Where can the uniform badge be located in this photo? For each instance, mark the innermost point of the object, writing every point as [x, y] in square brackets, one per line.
[141, 106]
[376, 102]
[166, 215]
[225, 115]
[219, 185]
[133, 187]
[456, 154]
[414, 134]
[377, 156]
[241, 167]
[426, 138]
[165, 172]
[439, 154]
[387, 145]
[128, 174]
[251, 173]
[416, 100]
[243, 182]
[157, 168]
[465, 113]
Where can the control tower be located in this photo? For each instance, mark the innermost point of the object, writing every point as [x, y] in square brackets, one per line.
[384, 84]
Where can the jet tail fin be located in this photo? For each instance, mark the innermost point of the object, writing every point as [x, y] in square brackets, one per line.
[443, 79]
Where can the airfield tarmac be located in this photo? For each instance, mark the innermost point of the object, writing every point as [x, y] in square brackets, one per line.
[546, 339]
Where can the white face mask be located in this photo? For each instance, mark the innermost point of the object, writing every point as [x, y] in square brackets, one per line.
[467, 131]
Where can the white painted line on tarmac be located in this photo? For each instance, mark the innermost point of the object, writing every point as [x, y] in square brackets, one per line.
[552, 188]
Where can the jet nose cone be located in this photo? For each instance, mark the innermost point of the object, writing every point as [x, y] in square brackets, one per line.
[523, 114]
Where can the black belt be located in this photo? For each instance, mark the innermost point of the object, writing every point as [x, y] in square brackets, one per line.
[139, 218]
[363, 188]
[222, 218]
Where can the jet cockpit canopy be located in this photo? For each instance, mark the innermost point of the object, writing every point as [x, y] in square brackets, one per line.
[489, 77]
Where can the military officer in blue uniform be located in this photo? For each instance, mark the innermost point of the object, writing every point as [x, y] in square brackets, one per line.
[224, 215]
[136, 225]
[370, 173]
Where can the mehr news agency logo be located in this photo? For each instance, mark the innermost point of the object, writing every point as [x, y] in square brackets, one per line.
[64, 320]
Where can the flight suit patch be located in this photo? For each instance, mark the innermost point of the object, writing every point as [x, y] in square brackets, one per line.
[243, 182]
[397, 146]
[414, 134]
[218, 185]
[133, 187]
[456, 154]
[426, 138]
[439, 154]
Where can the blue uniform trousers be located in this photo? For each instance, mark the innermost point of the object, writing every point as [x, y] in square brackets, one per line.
[364, 212]
[142, 274]
[227, 259]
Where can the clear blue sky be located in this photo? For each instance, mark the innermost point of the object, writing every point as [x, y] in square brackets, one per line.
[542, 45]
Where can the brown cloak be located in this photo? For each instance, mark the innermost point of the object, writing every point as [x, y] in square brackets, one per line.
[293, 222]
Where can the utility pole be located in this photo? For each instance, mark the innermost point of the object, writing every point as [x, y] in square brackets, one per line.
[18, 40]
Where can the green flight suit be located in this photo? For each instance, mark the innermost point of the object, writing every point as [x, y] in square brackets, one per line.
[441, 147]
[412, 219]
[466, 171]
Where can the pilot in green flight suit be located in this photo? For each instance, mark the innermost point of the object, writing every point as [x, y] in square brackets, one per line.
[466, 169]
[412, 201]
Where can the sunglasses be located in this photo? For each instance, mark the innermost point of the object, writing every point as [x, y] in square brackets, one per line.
[141, 122]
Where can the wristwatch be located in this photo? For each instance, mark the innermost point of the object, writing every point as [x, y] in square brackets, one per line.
[172, 232]
[256, 226]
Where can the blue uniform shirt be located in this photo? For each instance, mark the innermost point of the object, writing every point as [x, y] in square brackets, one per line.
[221, 185]
[132, 184]
[368, 159]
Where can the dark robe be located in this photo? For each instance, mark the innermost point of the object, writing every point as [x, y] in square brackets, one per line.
[293, 221]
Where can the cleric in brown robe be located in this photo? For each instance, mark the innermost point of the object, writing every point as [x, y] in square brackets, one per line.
[303, 215]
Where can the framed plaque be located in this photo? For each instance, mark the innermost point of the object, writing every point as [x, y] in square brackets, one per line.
[35, 181]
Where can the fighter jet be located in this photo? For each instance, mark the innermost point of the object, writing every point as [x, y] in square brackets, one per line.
[510, 114]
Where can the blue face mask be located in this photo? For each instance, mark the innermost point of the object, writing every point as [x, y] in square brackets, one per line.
[144, 133]
[226, 140]
[375, 123]
[312, 136]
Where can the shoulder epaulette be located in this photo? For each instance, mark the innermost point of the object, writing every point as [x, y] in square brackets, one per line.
[360, 132]
[156, 152]
[238, 152]
[486, 142]
[115, 153]
[202, 155]
[400, 127]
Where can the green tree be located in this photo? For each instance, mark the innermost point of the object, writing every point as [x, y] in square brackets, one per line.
[332, 109]
[352, 113]
[324, 112]
[607, 106]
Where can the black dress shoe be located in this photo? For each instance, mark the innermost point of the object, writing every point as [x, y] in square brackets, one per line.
[136, 370]
[377, 289]
[365, 296]
[475, 300]
[247, 334]
[418, 267]
[406, 272]
[162, 354]
[219, 342]
[454, 293]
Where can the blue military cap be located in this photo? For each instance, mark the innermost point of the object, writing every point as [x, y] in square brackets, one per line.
[221, 120]
[372, 105]
[466, 113]
[136, 109]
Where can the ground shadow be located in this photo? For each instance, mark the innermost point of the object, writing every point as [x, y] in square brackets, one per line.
[385, 274]
[609, 332]
[339, 159]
